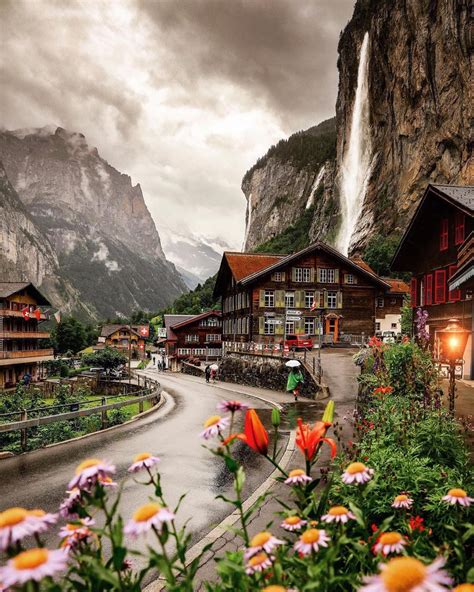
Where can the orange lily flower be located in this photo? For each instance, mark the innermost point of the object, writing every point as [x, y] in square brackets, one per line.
[255, 435]
[308, 439]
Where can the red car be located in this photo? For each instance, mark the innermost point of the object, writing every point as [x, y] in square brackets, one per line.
[298, 342]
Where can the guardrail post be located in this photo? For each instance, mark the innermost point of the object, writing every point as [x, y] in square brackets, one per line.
[23, 435]
[140, 407]
[104, 414]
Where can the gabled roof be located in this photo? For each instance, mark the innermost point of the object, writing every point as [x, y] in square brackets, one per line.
[10, 288]
[174, 321]
[462, 195]
[397, 286]
[244, 264]
[361, 263]
[199, 317]
[107, 330]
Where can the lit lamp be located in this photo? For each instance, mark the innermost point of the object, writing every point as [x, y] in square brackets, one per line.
[453, 343]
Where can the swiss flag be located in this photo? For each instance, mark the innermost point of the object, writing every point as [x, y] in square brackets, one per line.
[141, 346]
[37, 314]
[26, 313]
[145, 331]
[314, 306]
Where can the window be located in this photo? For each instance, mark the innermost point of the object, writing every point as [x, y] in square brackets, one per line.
[191, 339]
[213, 337]
[350, 279]
[269, 298]
[302, 274]
[308, 299]
[332, 299]
[459, 225]
[377, 326]
[327, 276]
[444, 234]
[380, 302]
[278, 276]
[309, 326]
[269, 327]
[428, 289]
[454, 295]
[290, 299]
[440, 286]
[414, 292]
[394, 325]
[290, 327]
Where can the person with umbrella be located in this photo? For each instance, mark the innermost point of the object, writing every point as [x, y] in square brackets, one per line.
[295, 378]
[214, 369]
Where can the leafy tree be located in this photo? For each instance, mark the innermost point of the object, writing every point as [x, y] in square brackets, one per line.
[379, 253]
[407, 316]
[69, 335]
[107, 358]
[196, 301]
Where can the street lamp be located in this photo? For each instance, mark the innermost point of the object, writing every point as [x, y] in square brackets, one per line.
[453, 341]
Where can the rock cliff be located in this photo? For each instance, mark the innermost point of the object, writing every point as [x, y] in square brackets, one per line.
[96, 222]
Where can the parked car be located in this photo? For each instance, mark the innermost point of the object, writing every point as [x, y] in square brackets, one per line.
[298, 342]
[388, 336]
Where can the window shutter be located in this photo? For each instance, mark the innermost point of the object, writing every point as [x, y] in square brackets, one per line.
[336, 276]
[280, 329]
[454, 295]
[262, 299]
[413, 292]
[317, 298]
[299, 299]
[261, 325]
[459, 228]
[325, 299]
[293, 274]
[319, 275]
[283, 276]
[299, 327]
[444, 235]
[339, 299]
[280, 298]
[429, 289]
[311, 275]
[440, 286]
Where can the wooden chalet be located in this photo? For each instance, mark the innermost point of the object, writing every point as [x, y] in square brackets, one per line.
[261, 295]
[437, 248]
[124, 337]
[21, 335]
[388, 307]
[193, 337]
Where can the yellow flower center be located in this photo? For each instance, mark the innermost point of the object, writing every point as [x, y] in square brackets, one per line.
[464, 588]
[37, 513]
[401, 498]
[86, 464]
[356, 467]
[403, 574]
[212, 421]
[31, 559]
[457, 493]
[310, 536]
[296, 473]
[260, 539]
[72, 527]
[257, 559]
[142, 456]
[12, 516]
[291, 520]
[274, 589]
[106, 480]
[338, 511]
[146, 512]
[390, 538]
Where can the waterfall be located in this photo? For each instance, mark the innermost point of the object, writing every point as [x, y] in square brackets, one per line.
[248, 221]
[356, 161]
[316, 184]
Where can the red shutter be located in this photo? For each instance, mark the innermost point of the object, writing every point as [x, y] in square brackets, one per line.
[429, 289]
[454, 294]
[440, 286]
[444, 235]
[413, 292]
[459, 225]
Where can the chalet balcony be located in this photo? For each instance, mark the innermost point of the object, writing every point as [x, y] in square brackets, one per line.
[8, 358]
[6, 312]
[466, 252]
[24, 334]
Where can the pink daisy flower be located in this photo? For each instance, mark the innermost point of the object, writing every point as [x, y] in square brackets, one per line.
[263, 541]
[88, 473]
[338, 514]
[66, 509]
[311, 540]
[107, 482]
[143, 460]
[41, 521]
[214, 426]
[258, 563]
[293, 523]
[407, 574]
[231, 406]
[458, 496]
[34, 564]
[389, 542]
[358, 473]
[298, 477]
[147, 517]
[73, 533]
[402, 501]
[15, 525]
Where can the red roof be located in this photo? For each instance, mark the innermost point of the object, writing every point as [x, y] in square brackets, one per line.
[361, 263]
[397, 286]
[244, 264]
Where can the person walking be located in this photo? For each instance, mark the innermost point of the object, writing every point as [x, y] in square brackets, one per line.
[295, 380]
[207, 373]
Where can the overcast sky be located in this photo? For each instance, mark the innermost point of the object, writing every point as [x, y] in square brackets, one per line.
[183, 95]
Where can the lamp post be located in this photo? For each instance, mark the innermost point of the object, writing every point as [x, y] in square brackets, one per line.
[453, 340]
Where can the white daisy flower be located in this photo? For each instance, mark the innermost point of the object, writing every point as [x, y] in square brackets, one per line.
[263, 541]
[34, 564]
[311, 540]
[73, 533]
[389, 542]
[402, 501]
[358, 473]
[458, 496]
[143, 461]
[298, 477]
[15, 525]
[213, 426]
[407, 574]
[88, 473]
[258, 563]
[41, 521]
[338, 514]
[293, 523]
[146, 517]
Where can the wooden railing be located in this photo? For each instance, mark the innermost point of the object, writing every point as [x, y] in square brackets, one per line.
[6, 312]
[31, 353]
[24, 334]
[466, 252]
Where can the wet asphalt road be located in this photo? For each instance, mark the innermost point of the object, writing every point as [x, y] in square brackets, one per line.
[39, 479]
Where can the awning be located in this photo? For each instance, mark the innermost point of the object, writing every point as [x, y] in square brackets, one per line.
[463, 278]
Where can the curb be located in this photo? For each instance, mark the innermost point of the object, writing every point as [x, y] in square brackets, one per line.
[231, 519]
